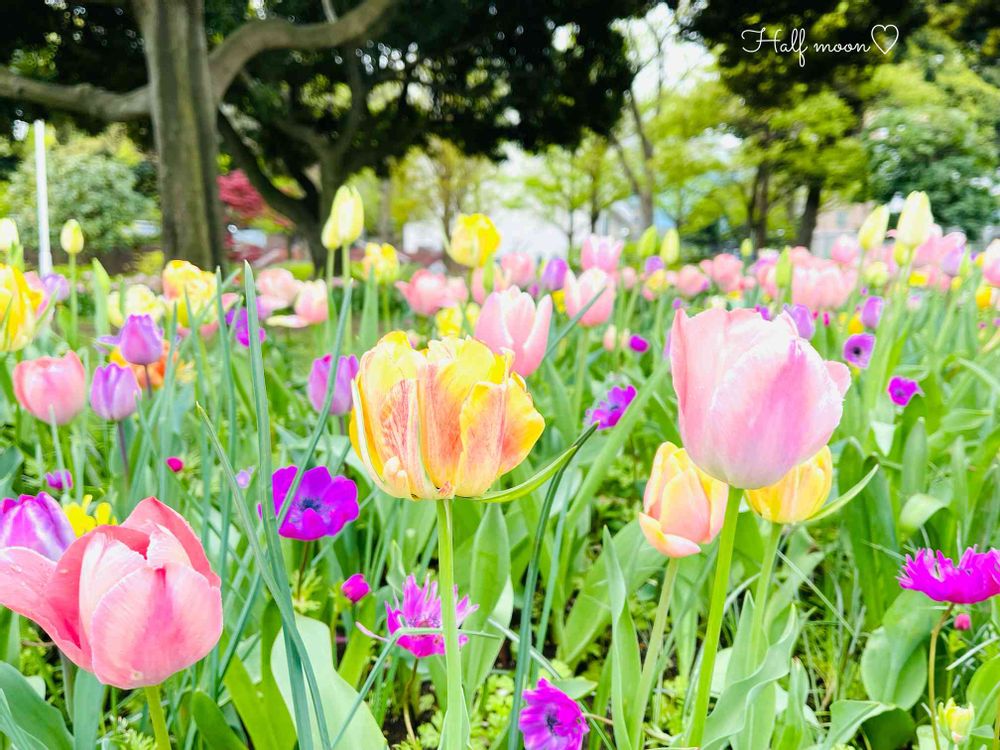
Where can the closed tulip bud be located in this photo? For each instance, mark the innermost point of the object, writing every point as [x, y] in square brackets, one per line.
[683, 508]
[319, 382]
[8, 235]
[746, 248]
[798, 495]
[71, 237]
[346, 220]
[876, 273]
[51, 388]
[19, 303]
[670, 248]
[474, 240]
[955, 720]
[113, 392]
[871, 235]
[511, 320]
[783, 269]
[382, 261]
[140, 340]
[915, 221]
[579, 291]
[36, 523]
[647, 243]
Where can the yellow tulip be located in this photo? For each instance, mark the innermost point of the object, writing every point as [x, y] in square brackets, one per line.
[441, 422]
[670, 248]
[8, 235]
[872, 232]
[382, 260]
[449, 319]
[984, 297]
[746, 248]
[18, 305]
[799, 494]
[876, 273]
[191, 288]
[473, 240]
[71, 237]
[855, 325]
[139, 300]
[955, 720]
[914, 225]
[347, 218]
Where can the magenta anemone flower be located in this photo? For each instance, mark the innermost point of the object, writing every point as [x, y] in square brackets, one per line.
[322, 506]
[551, 720]
[59, 480]
[871, 312]
[35, 522]
[175, 464]
[421, 608]
[638, 344]
[902, 390]
[607, 412]
[355, 588]
[975, 578]
[803, 318]
[858, 349]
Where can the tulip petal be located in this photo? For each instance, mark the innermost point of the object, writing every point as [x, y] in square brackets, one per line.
[482, 422]
[667, 544]
[523, 425]
[151, 514]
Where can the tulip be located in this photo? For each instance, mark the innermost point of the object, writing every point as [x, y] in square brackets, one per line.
[473, 240]
[319, 381]
[71, 237]
[133, 604]
[190, 288]
[491, 275]
[990, 260]
[554, 274]
[59, 480]
[355, 588]
[427, 292]
[140, 340]
[871, 235]
[876, 273]
[754, 398]
[139, 300]
[871, 311]
[511, 320]
[601, 253]
[8, 235]
[113, 392]
[844, 252]
[18, 306]
[725, 270]
[955, 721]
[579, 291]
[798, 495]
[518, 268]
[311, 307]
[346, 220]
[455, 319]
[670, 248]
[915, 220]
[277, 288]
[682, 507]
[381, 260]
[36, 523]
[691, 282]
[441, 422]
[804, 321]
[51, 388]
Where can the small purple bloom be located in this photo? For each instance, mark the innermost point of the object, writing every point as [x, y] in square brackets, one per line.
[421, 608]
[35, 522]
[638, 344]
[871, 312]
[826, 318]
[963, 621]
[175, 464]
[677, 304]
[975, 579]
[554, 274]
[59, 480]
[243, 478]
[355, 588]
[764, 311]
[902, 390]
[653, 264]
[858, 349]
[322, 506]
[551, 720]
[607, 412]
[56, 286]
[113, 392]
[239, 320]
[140, 340]
[804, 320]
[319, 379]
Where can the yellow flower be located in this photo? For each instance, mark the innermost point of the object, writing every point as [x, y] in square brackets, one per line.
[914, 225]
[855, 325]
[71, 237]
[559, 300]
[746, 248]
[876, 273]
[670, 248]
[190, 287]
[139, 300]
[955, 721]
[83, 519]
[382, 260]
[18, 303]
[346, 220]
[984, 297]
[872, 232]
[441, 422]
[799, 494]
[449, 320]
[657, 282]
[918, 278]
[473, 240]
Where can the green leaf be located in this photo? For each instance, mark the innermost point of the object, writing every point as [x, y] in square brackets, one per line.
[88, 702]
[212, 724]
[625, 666]
[264, 720]
[984, 690]
[846, 717]
[917, 511]
[25, 717]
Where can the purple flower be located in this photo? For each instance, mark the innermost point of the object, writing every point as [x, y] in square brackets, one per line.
[239, 320]
[607, 412]
[902, 390]
[554, 274]
[113, 392]
[175, 464]
[36, 522]
[963, 621]
[140, 340]
[322, 506]
[421, 608]
[975, 579]
[871, 312]
[653, 264]
[243, 478]
[56, 286]
[551, 720]
[319, 379]
[858, 349]
[355, 588]
[59, 480]
[804, 320]
[765, 313]
[638, 344]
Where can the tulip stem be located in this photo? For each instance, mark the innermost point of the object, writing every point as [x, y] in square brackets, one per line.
[757, 637]
[123, 447]
[713, 629]
[650, 667]
[157, 718]
[931, 659]
[581, 370]
[74, 306]
[454, 723]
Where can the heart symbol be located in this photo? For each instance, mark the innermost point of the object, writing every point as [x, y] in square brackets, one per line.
[885, 29]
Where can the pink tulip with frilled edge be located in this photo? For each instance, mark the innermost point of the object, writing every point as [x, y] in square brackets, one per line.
[51, 388]
[133, 604]
[579, 290]
[602, 253]
[754, 398]
[511, 320]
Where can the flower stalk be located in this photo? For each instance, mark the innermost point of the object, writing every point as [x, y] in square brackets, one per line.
[454, 719]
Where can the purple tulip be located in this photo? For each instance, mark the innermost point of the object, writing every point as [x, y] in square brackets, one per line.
[319, 380]
[764, 311]
[56, 286]
[804, 320]
[653, 264]
[871, 312]
[355, 588]
[140, 340]
[113, 392]
[239, 320]
[322, 505]
[554, 275]
[858, 349]
[59, 480]
[36, 522]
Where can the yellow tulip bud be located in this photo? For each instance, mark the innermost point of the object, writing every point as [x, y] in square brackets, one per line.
[8, 235]
[799, 494]
[473, 240]
[872, 232]
[876, 274]
[670, 248]
[746, 248]
[855, 325]
[71, 237]
[449, 320]
[346, 220]
[647, 243]
[915, 220]
[955, 721]
[382, 260]
[984, 297]
[783, 269]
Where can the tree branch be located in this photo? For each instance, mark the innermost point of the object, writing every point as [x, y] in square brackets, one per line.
[255, 37]
[81, 98]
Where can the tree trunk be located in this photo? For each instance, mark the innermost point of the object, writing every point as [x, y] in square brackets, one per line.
[183, 116]
[807, 222]
[760, 207]
[646, 207]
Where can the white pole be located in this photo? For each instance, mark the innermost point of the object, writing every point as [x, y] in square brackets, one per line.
[42, 192]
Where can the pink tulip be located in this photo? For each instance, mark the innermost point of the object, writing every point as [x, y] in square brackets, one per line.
[510, 320]
[311, 307]
[51, 388]
[277, 288]
[690, 282]
[133, 604]
[501, 281]
[601, 253]
[845, 251]
[427, 292]
[991, 264]
[580, 290]
[519, 268]
[754, 398]
[629, 277]
[726, 270]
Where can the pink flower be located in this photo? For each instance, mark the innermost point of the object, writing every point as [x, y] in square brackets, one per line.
[51, 388]
[991, 264]
[140, 340]
[175, 464]
[133, 604]
[501, 281]
[36, 523]
[421, 608]
[427, 292]
[511, 320]
[974, 579]
[726, 270]
[690, 282]
[551, 720]
[311, 307]
[754, 398]
[113, 392]
[601, 253]
[845, 251]
[518, 268]
[355, 588]
[963, 621]
[579, 291]
[277, 288]
[319, 379]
